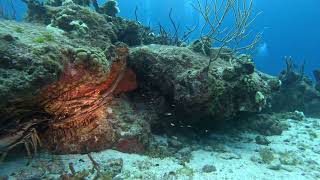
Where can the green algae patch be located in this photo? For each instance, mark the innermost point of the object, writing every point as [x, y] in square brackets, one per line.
[18, 29]
[185, 171]
[267, 155]
[289, 158]
[44, 38]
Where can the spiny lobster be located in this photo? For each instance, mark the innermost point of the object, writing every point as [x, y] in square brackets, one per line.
[25, 134]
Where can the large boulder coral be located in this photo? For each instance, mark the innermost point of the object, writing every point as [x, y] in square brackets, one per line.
[67, 91]
[217, 93]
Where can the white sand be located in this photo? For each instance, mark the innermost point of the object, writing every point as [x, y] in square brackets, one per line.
[233, 162]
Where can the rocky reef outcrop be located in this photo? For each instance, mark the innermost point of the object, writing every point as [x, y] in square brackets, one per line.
[64, 73]
[297, 92]
[83, 80]
[96, 27]
[199, 93]
[67, 90]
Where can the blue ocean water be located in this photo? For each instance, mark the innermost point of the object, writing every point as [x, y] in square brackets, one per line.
[290, 151]
[290, 27]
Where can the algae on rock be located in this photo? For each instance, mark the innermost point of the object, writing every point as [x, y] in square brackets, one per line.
[181, 75]
[51, 78]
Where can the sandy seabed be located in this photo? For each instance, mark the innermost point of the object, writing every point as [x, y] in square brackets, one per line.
[293, 155]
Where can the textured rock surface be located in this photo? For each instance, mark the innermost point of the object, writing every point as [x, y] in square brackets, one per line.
[65, 75]
[87, 24]
[26, 64]
[66, 70]
[265, 124]
[47, 75]
[230, 86]
[297, 92]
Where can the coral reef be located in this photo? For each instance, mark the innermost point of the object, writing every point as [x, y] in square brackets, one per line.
[76, 79]
[68, 91]
[83, 80]
[78, 103]
[110, 8]
[39, 12]
[81, 21]
[67, 87]
[181, 76]
[297, 92]
[26, 65]
[267, 124]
